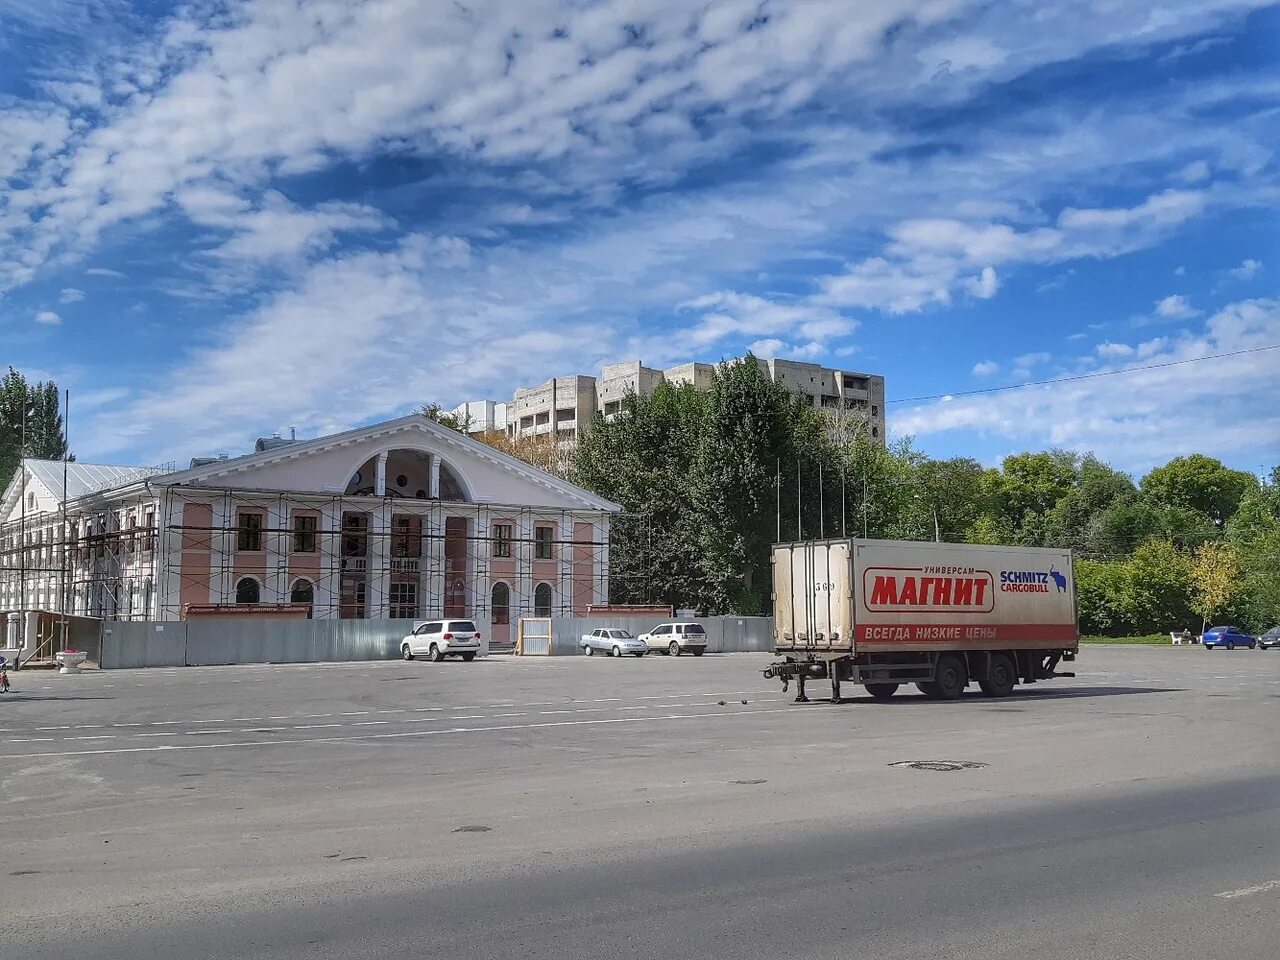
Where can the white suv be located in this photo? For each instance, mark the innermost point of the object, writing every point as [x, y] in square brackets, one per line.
[437, 639]
[674, 639]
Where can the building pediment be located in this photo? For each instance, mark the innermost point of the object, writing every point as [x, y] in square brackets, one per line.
[342, 464]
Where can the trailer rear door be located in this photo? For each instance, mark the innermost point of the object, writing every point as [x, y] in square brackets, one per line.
[812, 596]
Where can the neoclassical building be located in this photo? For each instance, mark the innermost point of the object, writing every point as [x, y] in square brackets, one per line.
[400, 520]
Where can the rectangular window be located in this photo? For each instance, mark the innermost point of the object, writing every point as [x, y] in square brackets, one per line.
[542, 543]
[355, 529]
[148, 523]
[404, 601]
[502, 540]
[249, 532]
[304, 534]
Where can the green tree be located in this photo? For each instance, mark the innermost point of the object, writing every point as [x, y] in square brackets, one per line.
[1104, 601]
[433, 411]
[643, 461]
[750, 427]
[37, 408]
[1074, 520]
[1216, 580]
[1128, 523]
[1159, 574]
[1254, 532]
[1200, 483]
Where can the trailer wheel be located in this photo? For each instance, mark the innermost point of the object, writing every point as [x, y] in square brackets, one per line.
[929, 689]
[1000, 677]
[952, 677]
[881, 691]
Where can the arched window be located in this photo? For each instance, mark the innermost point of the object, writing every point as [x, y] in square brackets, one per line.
[542, 600]
[303, 591]
[501, 603]
[248, 590]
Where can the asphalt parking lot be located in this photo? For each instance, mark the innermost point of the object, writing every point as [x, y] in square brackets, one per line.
[651, 808]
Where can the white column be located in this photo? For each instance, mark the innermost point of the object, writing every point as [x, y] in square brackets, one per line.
[276, 588]
[522, 589]
[434, 491]
[433, 563]
[600, 560]
[564, 553]
[378, 574]
[380, 481]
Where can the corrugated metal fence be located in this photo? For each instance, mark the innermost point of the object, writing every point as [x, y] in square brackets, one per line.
[197, 643]
[724, 634]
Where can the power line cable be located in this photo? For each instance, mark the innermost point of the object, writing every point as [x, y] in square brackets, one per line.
[1082, 376]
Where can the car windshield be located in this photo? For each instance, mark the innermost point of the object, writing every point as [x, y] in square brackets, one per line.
[621, 634]
[1273, 632]
[1220, 629]
[462, 626]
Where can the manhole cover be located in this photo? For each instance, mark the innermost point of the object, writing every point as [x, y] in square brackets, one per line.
[942, 765]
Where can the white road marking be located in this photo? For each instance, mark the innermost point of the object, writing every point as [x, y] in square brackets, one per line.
[167, 748]
[1249, 891]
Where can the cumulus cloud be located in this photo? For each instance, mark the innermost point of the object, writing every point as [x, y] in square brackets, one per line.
[48, 318]
[1247, 270]
[985, 368]
[1140, 417]
[70, 295]
[985, 285]
[1175, 307]
[727, 315]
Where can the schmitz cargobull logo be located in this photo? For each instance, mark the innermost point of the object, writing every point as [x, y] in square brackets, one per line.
[937, 589]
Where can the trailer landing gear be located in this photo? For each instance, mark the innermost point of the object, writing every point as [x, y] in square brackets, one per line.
[800, 697]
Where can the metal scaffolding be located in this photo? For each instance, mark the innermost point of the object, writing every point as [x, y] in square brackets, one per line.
[156, 554]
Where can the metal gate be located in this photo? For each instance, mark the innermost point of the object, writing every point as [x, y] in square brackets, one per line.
[534, 637]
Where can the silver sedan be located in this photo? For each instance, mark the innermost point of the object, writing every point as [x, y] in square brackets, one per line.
[612, 641]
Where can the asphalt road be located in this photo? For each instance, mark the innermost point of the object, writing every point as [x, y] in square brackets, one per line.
[602, 808]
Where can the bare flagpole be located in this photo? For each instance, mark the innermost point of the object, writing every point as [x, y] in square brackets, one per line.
[822, 509]
[799, 521]
[66, 452]
[777, 500]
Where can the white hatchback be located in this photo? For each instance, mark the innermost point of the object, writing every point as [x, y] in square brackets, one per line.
[437, 639]
[674, 639]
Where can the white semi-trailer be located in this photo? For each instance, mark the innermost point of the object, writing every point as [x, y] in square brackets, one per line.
[884, 613]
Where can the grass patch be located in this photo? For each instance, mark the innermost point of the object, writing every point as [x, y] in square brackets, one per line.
[1152, 639]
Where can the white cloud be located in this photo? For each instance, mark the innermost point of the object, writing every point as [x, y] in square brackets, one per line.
[1029, 360]
[1180, 271]
[103, 272]
[927, 256]
[1141, 417]
[985, 285]
[1247, 270]
[70, 295]
[1175, 307]
[985, 368]
[726, 315]
[48, 318]
[1196, 172]
[1114, 351]
[774, 348]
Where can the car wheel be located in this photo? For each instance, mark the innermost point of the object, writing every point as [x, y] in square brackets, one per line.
[698, 651]
[616, 651]
[406, 652]
[435, 654]
[881, 691]
[674, 649]
[952, 677]
[1000, 677]
[1231, 645]
[468, 657]
[587, 650]
[638, 654]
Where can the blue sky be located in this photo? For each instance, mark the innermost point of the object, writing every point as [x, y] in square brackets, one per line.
[228, 218]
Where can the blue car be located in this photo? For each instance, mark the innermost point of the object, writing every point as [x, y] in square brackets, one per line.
[1229, 637]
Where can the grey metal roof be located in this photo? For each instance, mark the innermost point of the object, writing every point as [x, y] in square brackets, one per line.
[86, 478]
